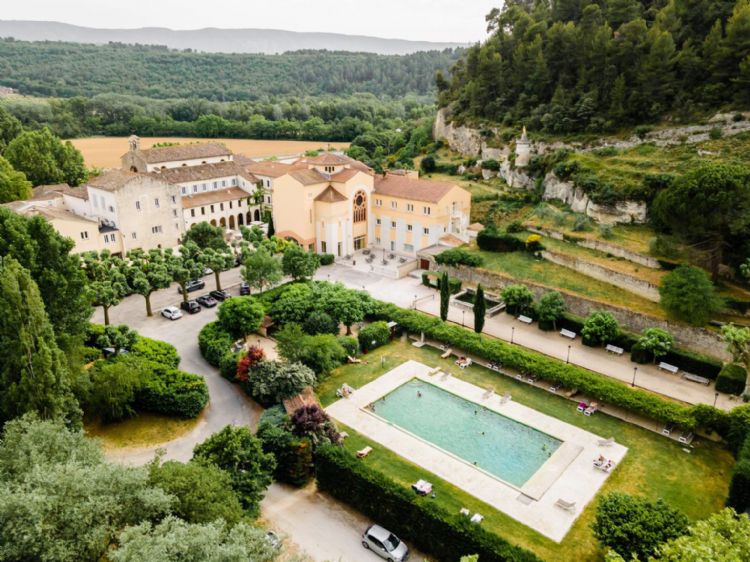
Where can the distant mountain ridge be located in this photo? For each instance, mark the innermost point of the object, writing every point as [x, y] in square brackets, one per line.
[215, 40]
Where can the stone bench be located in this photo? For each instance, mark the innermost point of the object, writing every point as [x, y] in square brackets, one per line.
[669, 368]
[614, 349]
[568, 334]
[525, 319]
[696, 378]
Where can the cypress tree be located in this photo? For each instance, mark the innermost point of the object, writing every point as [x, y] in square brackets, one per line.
[271, 230]
[480, 309]
[445, 296]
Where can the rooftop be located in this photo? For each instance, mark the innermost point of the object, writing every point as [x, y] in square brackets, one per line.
[184, 152]
[308, 177]
[269, 168]
[211, 197]
[404, 187]
[204, 172]
[330, 195]
[113, 179]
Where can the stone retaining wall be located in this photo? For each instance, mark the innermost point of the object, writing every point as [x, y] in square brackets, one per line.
[601, 273]
[688, 337]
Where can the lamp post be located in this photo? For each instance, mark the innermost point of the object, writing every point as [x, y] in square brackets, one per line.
[415, 302]
[635, 370]
[463, 315]
[567, 359]
[512, 333]
[716, 397]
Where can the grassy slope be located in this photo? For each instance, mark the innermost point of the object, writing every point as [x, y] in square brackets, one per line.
[655, 467]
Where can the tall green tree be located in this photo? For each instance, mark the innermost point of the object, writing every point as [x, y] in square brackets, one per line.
[205, 235]
[238, 452]
[34, 375]
[298, 263]
[480, 310]
[13, 185]
[218, 261]
[261, 269]
[708, 206]
[184, 265]
[45, 159]
[107, 282]
[445, 296]
[10, 128]
[147, 272]
[687, 294]
[241, 316]
[550, 309]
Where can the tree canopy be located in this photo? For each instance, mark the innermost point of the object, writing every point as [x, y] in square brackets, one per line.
[687, 294]
[13, 184]
[45, 159]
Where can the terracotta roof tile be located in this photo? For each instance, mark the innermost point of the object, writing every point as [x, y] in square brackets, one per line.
[113, 179]
[204, 172]
[211, 197]
[184, 152]
[330, 195]
[404, 187]
[268, 168]
[308, 177]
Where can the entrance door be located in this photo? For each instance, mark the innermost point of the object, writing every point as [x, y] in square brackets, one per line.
[359, 243]
[393, 246]
[424, 264]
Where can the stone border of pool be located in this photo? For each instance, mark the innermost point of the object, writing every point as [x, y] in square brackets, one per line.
[568, 474]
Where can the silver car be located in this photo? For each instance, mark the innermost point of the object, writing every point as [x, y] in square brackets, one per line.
[171, 312]
[385, 544]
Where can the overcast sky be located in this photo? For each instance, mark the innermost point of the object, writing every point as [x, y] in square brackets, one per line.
[430, 20]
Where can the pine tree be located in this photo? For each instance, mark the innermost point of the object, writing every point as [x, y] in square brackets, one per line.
[33, 371]
[445, 296]
[480, 309]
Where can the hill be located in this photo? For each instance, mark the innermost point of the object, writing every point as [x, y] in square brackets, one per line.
[573, 66]
[214, 40]
[71, 69]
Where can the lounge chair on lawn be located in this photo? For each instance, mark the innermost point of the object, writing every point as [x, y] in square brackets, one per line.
[476, 518]
[345, 391]
[422, 487]
[686, 437]
[607, 442]
[592, 409]
[667, 429]
[351, 359]
[567, 506]
[582, 406]
[362, 453]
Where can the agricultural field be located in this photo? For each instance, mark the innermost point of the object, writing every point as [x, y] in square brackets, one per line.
[105, 152]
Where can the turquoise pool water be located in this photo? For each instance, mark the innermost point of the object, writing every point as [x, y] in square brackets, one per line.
[503, 447]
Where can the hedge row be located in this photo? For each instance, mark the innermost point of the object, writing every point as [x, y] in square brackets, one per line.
[157, 351]
[688, 361]
[739, 486]
[166, 390]
[732, 379]
[214, 342]
[415, 519]
[492, 240]
[594, 385]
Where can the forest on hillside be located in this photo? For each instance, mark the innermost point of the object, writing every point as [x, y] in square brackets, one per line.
[59, 69]
[566, 66]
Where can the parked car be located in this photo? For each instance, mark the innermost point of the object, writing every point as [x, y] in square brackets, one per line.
[172, 313]
[385, 544]
[220, 295]
[110, 351]
[207, 271]
[244, 289]
[273, 539]
[191, 306]
[206, 300]
[194, 285]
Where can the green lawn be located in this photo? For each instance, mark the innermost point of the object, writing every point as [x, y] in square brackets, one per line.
[655, 467]
[142, 430]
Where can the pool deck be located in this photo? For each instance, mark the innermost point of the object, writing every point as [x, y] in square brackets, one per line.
[567, 475]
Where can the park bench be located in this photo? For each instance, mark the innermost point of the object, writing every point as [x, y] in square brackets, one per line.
[568, 334]
[525, 319]
[696, 378]
[669, 368]
[614, 349]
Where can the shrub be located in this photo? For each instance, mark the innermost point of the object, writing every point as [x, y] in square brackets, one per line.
[515, 226]
[312, 421]
[155, 350]
[168, 391]
[320, 323]
[350, 345]
[89, 354]
[426, 279]
[322, 352]
[459, 256]
[427, 165]
[447, 536]
[228, 365]
[373, 336]
[550, 309]
[600, 328]
[731, 379]
[655, 343]
[294, 455]
[534, 243]
[606, 231]
[582, 223]
[739, 486]
[241, 316]
[687, 294]
[518, 299]
[270, 382]
[491, 164]
[489, 239]
[214, 341]
[635, 527]
[112, 389]
[715, 133]
[252, 357]
[642, 130]
[326, 259]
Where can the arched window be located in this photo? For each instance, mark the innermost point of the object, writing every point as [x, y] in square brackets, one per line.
[360, 207]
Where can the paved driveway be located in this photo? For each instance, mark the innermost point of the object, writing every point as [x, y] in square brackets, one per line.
[227, 403]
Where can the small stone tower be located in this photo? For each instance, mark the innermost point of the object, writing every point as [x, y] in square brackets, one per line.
[523, 150]
[134, 142]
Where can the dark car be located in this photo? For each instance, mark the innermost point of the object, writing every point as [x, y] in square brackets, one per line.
[194, 285]
[206, 300]
[190, 306]
[244, 289]
[220, 295]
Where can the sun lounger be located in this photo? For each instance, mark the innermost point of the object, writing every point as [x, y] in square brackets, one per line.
[447, 353]
[604, 466]
[614, 349]
[476, 518]
[422, 487]
[487, 393]
[464, 511]
[582, 406]
[567, 506]
[343, 435]
[525, 319]
[667, 429]
[351, 359]
[506, 398]
[686, 437]
[568, 334]
[669, 368]
[465, 363]
[345, 391]
[607, 442]
[362, 453]
[592, 409]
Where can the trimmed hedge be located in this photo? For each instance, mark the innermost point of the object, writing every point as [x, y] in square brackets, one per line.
[415, 519]
[326, 259]
[459, 256]
[739, 486]
[731, 379]
[157, 351]
[166, 390]
[491, 240]
[214, 341]
[596, 386]
[373, 336]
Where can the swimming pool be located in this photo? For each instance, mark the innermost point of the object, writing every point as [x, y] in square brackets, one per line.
[505, 448]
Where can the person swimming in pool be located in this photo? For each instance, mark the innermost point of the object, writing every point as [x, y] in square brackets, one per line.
[419, 394]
